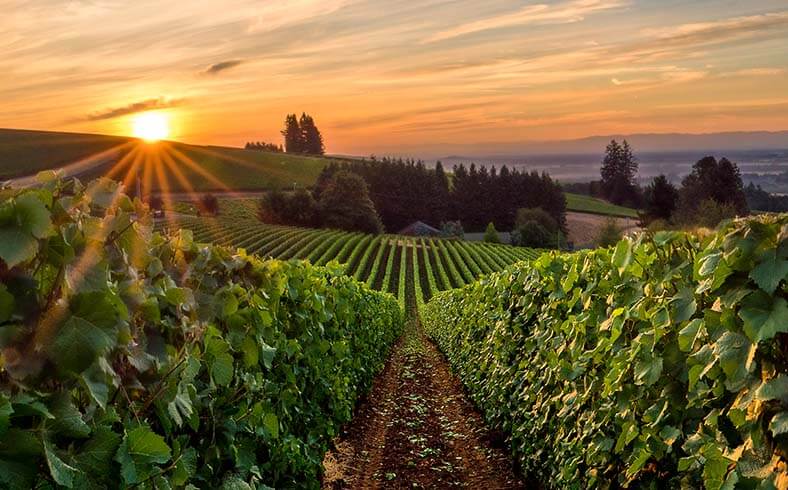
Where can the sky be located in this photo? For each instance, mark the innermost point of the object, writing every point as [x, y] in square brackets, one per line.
[396, 77]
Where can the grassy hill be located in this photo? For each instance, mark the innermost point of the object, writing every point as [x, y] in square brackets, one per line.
[588, 204]
[177, 167]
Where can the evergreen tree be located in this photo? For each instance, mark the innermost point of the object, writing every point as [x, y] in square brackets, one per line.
[491, 234]
[294, 142]
[311, 138]
[619, 169]
[661, 197]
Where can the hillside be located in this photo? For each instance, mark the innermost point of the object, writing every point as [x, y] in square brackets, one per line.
[383, 262]
[163, 166]
[588, 204]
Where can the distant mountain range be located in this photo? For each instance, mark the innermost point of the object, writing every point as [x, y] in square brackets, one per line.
[645, 142]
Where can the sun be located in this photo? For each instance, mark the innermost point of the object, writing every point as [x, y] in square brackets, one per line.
[151, 126]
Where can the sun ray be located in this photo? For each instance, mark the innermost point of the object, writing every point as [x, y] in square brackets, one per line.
[118, 166]
[197, 168]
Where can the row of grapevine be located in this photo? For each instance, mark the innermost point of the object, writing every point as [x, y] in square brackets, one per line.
[659, 364]
[131, 359]
[380, 261]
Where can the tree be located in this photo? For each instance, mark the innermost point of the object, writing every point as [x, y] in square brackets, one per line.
[532, 234]
[619, 169]
[345, 205]
[661, 197]
[294, 141]
[491, 234]
[718, 181]
[311, 138]
[534, 227]
[296, 208]
[208, 205]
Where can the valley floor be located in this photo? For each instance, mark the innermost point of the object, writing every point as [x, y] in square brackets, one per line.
[417, 429]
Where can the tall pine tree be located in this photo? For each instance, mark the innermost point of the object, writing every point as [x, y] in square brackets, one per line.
[294, 141]
[310, 135]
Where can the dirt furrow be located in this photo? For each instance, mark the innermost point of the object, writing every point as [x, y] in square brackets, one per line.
[416, 429]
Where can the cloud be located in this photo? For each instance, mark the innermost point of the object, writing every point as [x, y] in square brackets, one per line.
[564, 13]
[616, 81]
[221, 66]
[757, 72]
[141, 106]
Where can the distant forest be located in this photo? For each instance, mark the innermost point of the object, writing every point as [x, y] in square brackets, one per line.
[404, 191]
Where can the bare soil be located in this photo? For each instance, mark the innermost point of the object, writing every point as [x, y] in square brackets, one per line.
[584, 227]
[417, 429]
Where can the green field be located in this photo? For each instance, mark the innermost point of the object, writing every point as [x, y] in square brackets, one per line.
[384, 262]
[164, 166]
[588, 204]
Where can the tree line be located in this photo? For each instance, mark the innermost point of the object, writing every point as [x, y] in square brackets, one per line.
[711, 192]
[404, 191]
[263, 146]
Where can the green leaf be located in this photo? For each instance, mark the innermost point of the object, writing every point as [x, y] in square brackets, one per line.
[235, 483]
[6, 304]
[733, 350]
[684, 305]
[669, 434]
[715, 468]
[62, 473]
[689, 334]
[764, 317]
[16, 246]
[68, 420]
[648, 371]
[779, 424]
[222, 369]
[774, 389]
[77, 344]
[140, 450]
[268, 355]
[95, 457]
[629, 431]
[251, 352]
[146, 445]
[271, 424]
[33, 216]
[622, 254]
[17, 475]
[185, 468]
[768, 274]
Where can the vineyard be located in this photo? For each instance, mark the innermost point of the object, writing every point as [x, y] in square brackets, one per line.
[129, 359]
[660, 363]
[386, 262]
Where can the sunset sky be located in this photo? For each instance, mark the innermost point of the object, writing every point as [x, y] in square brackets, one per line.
[396, 76]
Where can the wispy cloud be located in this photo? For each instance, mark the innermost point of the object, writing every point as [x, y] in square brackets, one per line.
[221, 66]
[133, 108]
[563, 13]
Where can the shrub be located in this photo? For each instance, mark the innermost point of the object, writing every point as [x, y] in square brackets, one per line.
[658, 364]
[491, 234]
[532, 234]
[208, 205]
[609, 233]
[134, 359]
[452, 229]
[708, 213]
[537, 229]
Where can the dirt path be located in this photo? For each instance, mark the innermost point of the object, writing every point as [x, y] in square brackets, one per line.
[416, 429]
